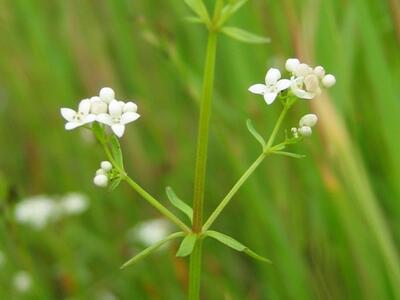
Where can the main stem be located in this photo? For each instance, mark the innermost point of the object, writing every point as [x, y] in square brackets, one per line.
[201, 162]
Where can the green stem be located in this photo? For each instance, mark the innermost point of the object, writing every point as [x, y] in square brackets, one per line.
[195, 271]
[248, 172]
[150, 199]
[204, 124]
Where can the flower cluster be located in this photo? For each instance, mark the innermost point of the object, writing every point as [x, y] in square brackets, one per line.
[103, 174]
[305, 82]
[38, 211]
[305, 124]
[104, 109]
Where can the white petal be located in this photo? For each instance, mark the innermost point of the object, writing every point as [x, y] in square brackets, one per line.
[302, 94]
[118, 129]
[270, 97]
[72, 125]
[105, 119]
[68, 114]
[273, 75]
[129, 117]
[259, 89]
[115, 108]
[84, 106]
[319, 71]
[107, 94]
[283, 84]
[308, 120]
[89, 119]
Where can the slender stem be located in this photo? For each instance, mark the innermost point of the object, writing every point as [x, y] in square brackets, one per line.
[204, 124]
[195, 271]
[248, 172]
[154, 202]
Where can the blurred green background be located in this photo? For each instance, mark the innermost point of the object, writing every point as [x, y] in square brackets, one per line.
[330, 222]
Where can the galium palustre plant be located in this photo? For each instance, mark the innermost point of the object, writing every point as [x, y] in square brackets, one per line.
[107, 117]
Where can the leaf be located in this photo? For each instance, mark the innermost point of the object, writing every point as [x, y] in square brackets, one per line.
[254, 132]
[290, 154]
[178, 203]
[244, 36]
[116, 152]
[187, 245]
[234, 244]
[115, 183]
[199, 9]
[230, 9]
[98, 132]
[151, 249]
[193, 19]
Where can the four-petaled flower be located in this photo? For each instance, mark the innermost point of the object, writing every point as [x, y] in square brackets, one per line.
[78, 118]
[119, 115]
[272, 87]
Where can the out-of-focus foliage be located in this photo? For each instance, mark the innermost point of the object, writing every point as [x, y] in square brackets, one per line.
[329, 222]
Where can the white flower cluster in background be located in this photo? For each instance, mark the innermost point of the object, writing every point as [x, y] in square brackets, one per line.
[104, 109]
[22, 281]
[38, 211]
[305, 82]
[305, 124]
[150, 232]
[102, 174]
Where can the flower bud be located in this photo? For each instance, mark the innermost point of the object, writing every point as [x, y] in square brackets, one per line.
[302, 70]
[106, 166]
[100, 180]
[308, 120]
[107, 94]
[319, 71]
[130, 107]
[328, 80]
[305, 131]
[100, 172]
[291, 64]
[115, 108]
[98, 106]
[295, 132]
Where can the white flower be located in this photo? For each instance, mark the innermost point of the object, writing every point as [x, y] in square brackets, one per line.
[22, 281]
[129, 107]
[272, 87]
[36, 211]
[308, 120]
[106, 166]
[328, 80]
[305, 131]
[98, 106]
[81, 117]
[73, 204]
[150, 232]
[116, 118]
[107, 94]
[101, 180]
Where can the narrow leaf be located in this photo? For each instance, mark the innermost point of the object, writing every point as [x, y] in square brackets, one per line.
[115, 183]
[187, 245]
[116, 152]
[234, 244]
[230, 9]
[193, 19]
[178, 203]
[254, 132]
[98, 132]
[199, 9]
[151, 249]
[244, 36]
[290, 154]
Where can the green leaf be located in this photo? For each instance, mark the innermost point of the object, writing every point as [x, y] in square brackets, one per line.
[290, 154]
[115, 182]
[230, 9]
[199, 9]
[244, 36]
[187, 245]
[254, 132]
[234, 244]
[116, 152]
[193, 19]
[98, 131]
[178, 203]
[151, 249]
